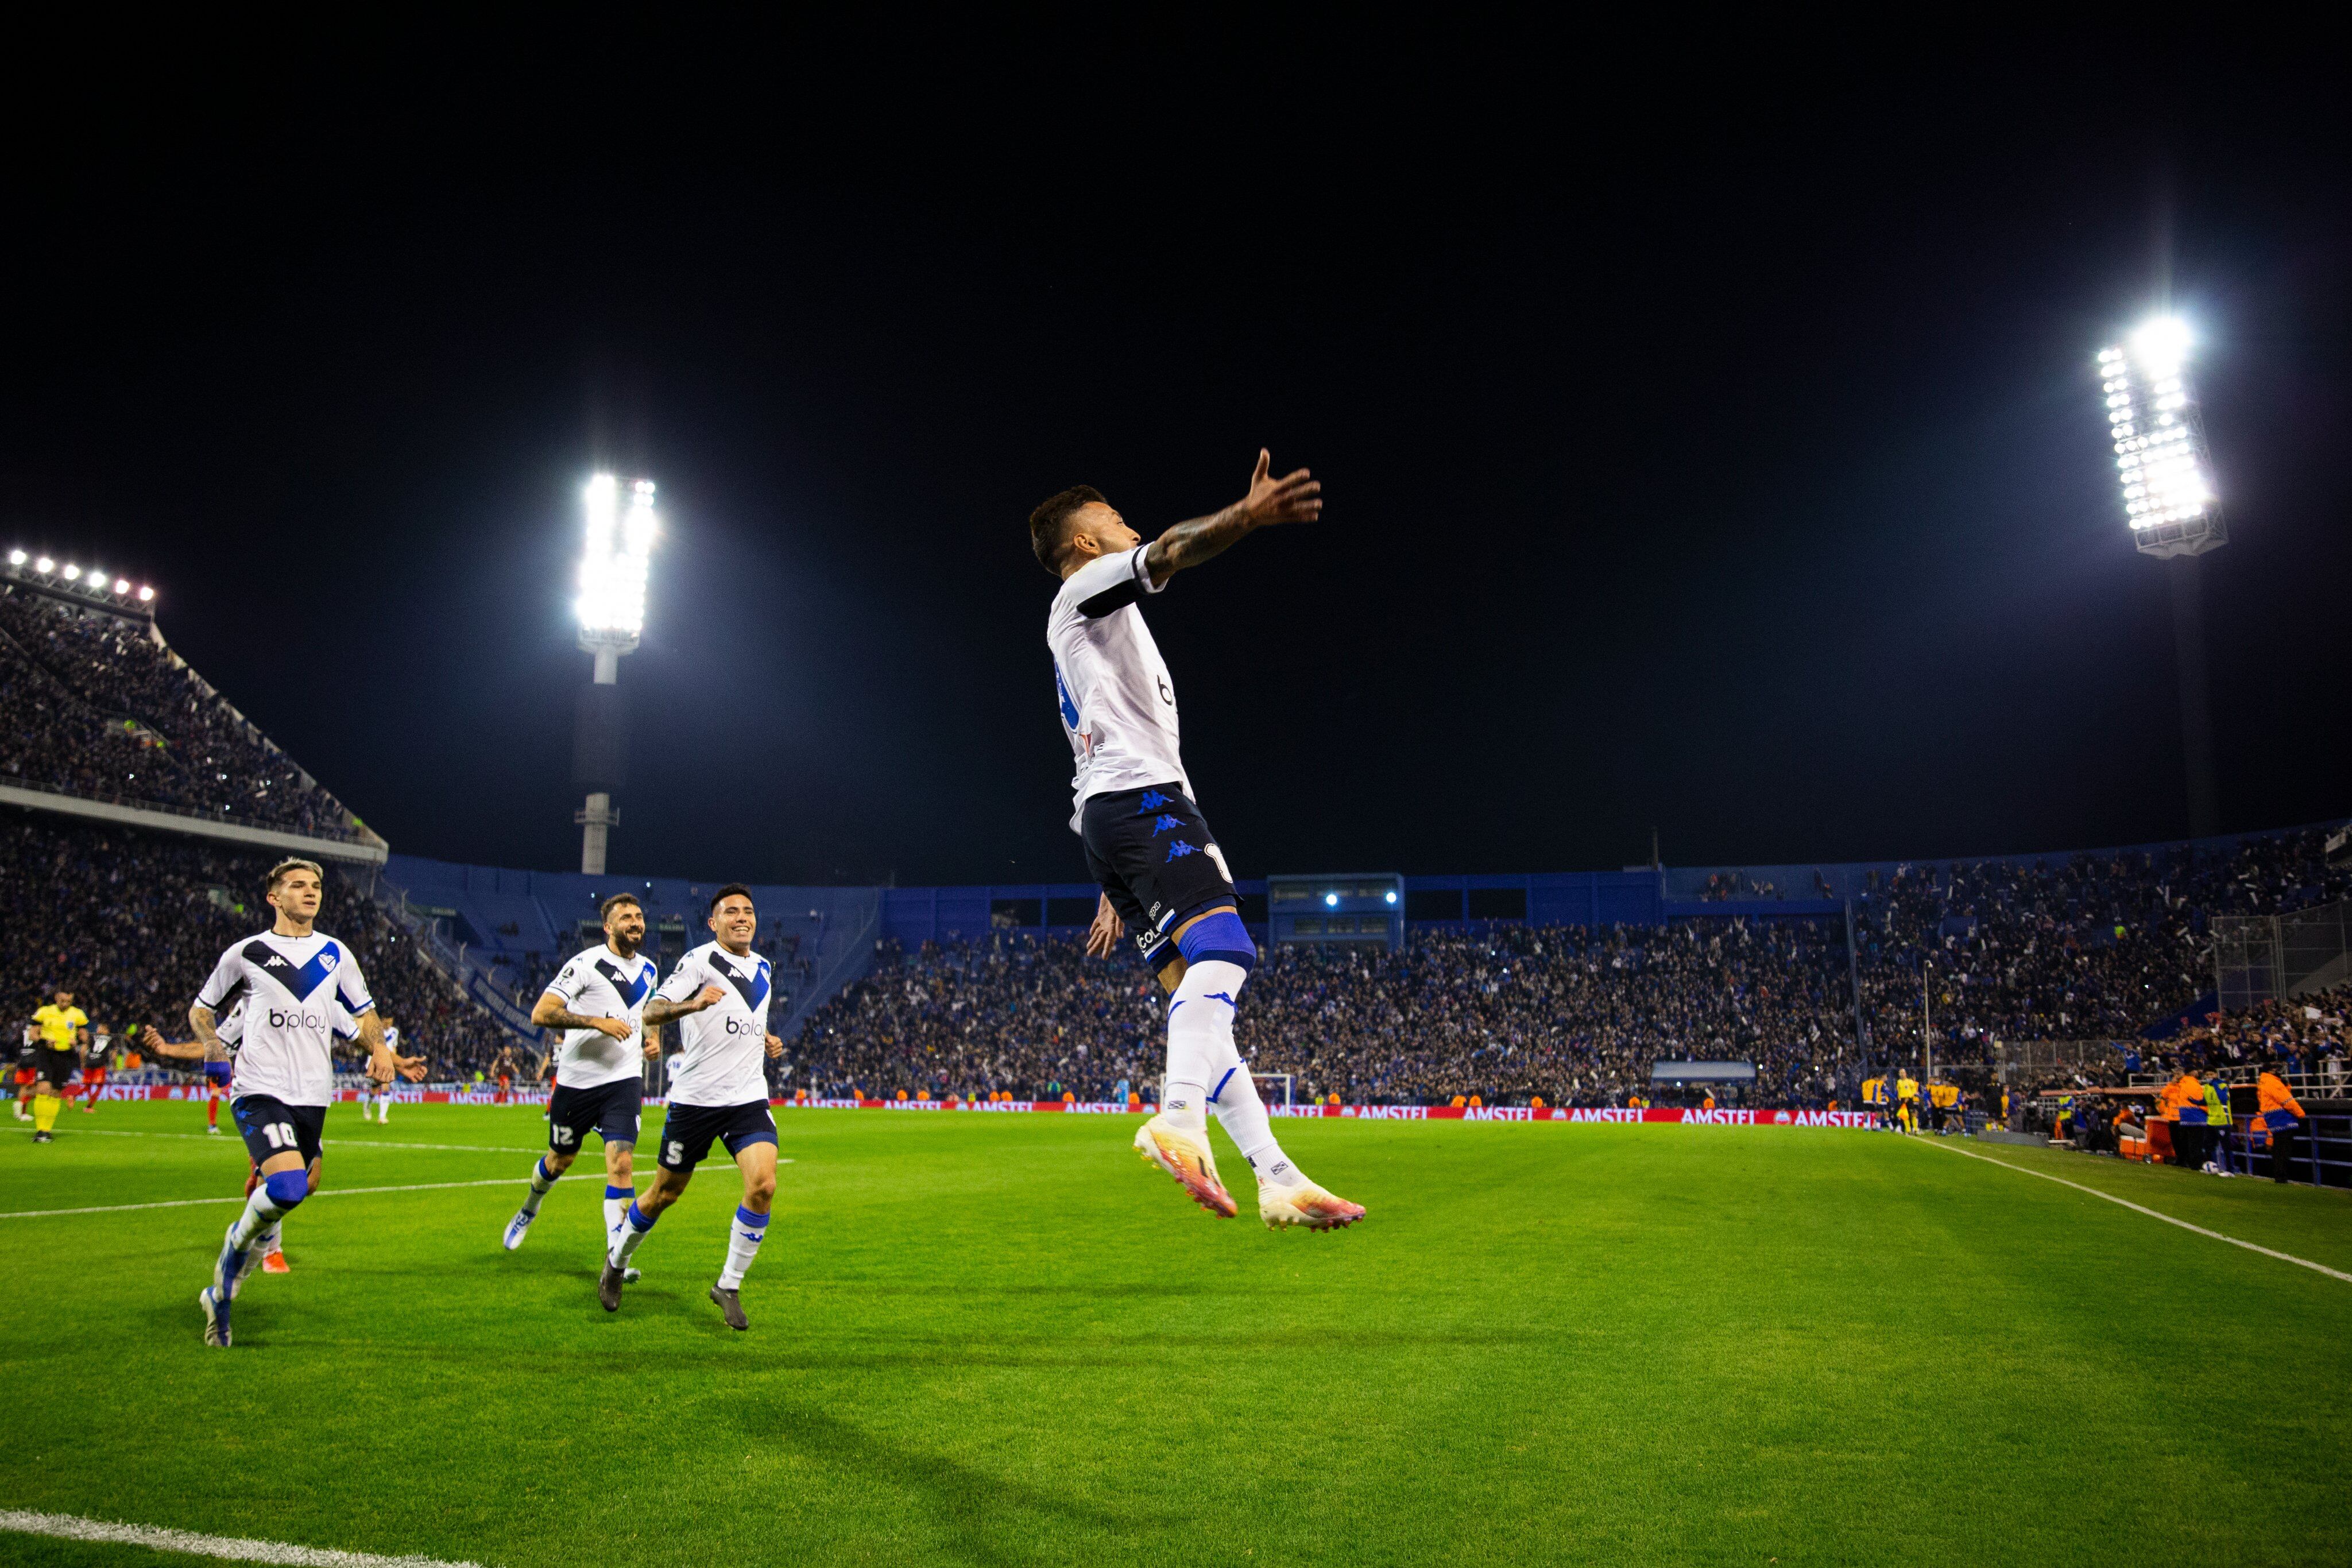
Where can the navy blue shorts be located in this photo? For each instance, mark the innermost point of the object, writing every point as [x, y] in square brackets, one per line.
[609, 1110]
[1152, 854]
[271, 1127]
[687, 1133]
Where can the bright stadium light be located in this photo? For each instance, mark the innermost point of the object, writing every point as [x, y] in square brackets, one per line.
[45, 565]
[612, 611]
[2170, 497]
[72, 571]
[122, 585]
[146, 594]
[16, 558]
[2173, 503]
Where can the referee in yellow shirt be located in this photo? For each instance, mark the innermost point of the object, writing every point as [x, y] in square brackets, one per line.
[65, 1032]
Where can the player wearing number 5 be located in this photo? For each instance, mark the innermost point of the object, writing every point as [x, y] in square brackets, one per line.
[598, 1000]
[290, 978]
[718, 1091]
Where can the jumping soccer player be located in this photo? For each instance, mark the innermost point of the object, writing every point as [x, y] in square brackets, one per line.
[719, 1089]
[1163, 876]
[598, 1000]
[65, 1031]
[291, 977]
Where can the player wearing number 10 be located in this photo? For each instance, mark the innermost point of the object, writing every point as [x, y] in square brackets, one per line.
[290, 978]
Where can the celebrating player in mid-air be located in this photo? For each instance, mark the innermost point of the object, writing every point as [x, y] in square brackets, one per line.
[598, 1000]
[719, 1089]
[290, 978]
[1163, 876]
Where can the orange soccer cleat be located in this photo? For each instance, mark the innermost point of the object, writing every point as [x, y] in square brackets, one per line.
[275, 1263]
[1304, 1204]
[1188, 1159]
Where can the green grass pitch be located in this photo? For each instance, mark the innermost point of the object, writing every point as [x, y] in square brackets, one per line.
[1001, 1340]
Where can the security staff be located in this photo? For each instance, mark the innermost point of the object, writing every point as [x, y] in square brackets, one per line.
[2282, 1115]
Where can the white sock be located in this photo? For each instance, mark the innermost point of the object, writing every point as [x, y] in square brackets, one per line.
[743, 1238]
[617, 1211]
[259, 1215]
[1201, 1006]
[1209, 994]
[634, 1225]
[541, 1180]
[383, 1108]
[271, 1242]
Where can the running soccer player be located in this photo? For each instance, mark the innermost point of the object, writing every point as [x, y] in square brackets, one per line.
[291, 977]
[65, 1031]
[719, 1089]
[24, 1070]
[598, 1000]
[1163, 878]
[93, 1068]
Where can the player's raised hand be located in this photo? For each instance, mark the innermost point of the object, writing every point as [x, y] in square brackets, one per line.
[411, 1068]
[1296, 497]
[1102, 936]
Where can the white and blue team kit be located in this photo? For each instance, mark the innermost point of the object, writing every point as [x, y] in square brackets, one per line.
[600, 1080]
[1147, 844]
[295, 992]
[718, 1079]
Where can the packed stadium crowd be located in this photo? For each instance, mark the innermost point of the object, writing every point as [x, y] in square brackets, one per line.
[132, 923]
[98, 708]
[2077, 948]
[2064, 947]
[1506, 1013]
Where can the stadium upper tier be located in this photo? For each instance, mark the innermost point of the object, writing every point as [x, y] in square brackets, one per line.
[101, 709]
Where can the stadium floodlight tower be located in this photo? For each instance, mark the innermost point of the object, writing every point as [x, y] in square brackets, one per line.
[2174, 507]
[612, 610]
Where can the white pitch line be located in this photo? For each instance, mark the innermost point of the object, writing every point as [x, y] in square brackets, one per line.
[339, 1142]
[2137, 1208]
[226, 1547]
[199, 1202]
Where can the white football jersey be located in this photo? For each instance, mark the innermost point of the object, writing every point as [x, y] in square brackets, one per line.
[1119, 707]
[292, 988]
[599, 983]
[722, 1050]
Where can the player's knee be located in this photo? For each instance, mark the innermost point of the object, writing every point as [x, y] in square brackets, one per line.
[286, 1189]
[557, 1162]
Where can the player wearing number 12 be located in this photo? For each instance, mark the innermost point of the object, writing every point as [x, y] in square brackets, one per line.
[718, 1091]
[598, 1000]
[290, 978]
[1162, 875]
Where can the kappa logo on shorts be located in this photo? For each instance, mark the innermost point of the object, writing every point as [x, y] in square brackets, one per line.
[1152, 800]
[1179, 849]
[1166, 824]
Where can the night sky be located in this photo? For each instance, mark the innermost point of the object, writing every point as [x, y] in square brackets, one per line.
[1710, 446]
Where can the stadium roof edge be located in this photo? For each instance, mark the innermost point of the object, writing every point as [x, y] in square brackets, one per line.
[370, 852]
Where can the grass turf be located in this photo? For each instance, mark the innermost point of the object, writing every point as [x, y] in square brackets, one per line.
[1001, 1340]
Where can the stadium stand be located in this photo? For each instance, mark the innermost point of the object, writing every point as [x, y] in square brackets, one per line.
[102, 709]
[132, 921]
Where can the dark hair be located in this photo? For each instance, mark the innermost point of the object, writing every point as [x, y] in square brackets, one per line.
[605, 910]
[1049, 525]
[724, 893]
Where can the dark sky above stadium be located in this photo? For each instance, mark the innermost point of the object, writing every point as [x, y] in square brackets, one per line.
[1710, 439]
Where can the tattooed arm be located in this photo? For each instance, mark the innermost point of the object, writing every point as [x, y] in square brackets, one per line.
[1293, 499]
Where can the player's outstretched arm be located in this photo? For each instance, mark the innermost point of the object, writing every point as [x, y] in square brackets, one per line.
[1293, 499]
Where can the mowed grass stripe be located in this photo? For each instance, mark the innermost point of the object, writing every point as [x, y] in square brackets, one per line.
[1000, 1340]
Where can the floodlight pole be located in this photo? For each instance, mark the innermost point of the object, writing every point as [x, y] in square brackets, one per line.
[2196, 695]
[597, 735]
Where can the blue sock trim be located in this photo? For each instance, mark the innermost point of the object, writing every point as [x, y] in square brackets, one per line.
[749, 1220]
[638, 1219]
[1220, 1089]
[544, 1173]
[628, 1192]
[286, 1189]
[1218, 935]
